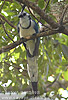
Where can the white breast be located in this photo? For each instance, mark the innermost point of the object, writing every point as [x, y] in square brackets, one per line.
[27, 32]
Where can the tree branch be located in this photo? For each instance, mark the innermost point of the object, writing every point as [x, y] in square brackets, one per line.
[42, 34]
[24, 73]
[58, 84]
[44, 16]
[7, 33]
[46, 5]
[1, 22]
[13, 45]
[48, 19]
[61, 19]
[39, 20]
[7, 21]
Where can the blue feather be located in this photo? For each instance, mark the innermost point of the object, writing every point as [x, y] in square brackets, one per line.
[36, 27]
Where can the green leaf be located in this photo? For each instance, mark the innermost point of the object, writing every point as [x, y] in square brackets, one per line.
[2, 56]
[66, 75]
[41, 3]
[48, 8]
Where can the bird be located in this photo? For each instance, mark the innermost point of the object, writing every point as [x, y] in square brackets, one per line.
[28, 27]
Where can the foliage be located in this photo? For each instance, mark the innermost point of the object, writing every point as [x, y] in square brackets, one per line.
[53, 52]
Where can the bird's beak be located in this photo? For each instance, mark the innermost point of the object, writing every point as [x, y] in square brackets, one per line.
[20, 15]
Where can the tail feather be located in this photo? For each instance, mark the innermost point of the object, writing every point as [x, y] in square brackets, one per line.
[35, 88]
[33, 72]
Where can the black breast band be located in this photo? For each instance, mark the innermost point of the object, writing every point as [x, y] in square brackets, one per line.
[26, 27]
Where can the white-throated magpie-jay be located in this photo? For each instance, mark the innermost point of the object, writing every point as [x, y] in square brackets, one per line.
[27, 27]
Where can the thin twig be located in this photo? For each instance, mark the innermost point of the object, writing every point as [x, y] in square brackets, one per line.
[63, 14]
[56, 79]
[2, 5]
[7, 21]
[39, 20]
[7, 33]
[24, 73]
[1, 22]
[46, 5]
[34, 15]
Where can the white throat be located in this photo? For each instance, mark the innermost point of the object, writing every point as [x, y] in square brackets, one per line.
[24, 22]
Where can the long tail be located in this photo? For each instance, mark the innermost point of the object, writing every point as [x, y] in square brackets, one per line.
[33, 73]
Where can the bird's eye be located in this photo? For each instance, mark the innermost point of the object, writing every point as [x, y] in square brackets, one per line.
[24, 14]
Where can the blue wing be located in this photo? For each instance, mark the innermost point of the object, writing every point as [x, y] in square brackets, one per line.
[35, 52]
[37, 40]
[36, 27]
